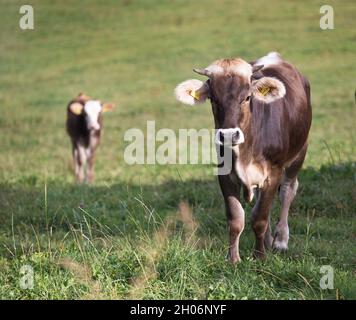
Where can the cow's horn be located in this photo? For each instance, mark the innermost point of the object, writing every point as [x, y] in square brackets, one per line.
[257, 68]
[203, 72]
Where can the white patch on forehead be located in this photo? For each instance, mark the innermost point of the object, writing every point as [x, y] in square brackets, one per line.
[92, 109]
[269, 59]
[242, 69]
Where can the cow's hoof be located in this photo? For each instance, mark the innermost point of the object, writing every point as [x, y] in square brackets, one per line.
[259, 255]
[268, 241]
[233, 259]
[280, 246]
[281, 237]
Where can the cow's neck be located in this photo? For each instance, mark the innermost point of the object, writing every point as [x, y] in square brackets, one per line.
[250, 171]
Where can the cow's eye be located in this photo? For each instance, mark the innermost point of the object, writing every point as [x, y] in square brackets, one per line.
[245, 99]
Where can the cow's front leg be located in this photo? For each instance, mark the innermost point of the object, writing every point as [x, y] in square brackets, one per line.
[90, 166]
[79, 162]
[235, 215]
[268, 239]
[261, 211]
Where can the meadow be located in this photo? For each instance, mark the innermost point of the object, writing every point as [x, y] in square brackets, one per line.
[155, 231]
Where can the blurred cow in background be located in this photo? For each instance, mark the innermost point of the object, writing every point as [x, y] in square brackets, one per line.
[84, 125]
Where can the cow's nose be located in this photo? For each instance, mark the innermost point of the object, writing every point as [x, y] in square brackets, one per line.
[235, 137]
[94, 127]
[229, 137]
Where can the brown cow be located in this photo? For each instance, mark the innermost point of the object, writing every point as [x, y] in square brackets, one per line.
[84, 125]
[262, 112]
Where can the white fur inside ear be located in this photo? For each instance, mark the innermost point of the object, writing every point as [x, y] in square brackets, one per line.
[268, 89]
[184, 89]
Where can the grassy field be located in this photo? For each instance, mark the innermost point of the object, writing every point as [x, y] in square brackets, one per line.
[158, 232]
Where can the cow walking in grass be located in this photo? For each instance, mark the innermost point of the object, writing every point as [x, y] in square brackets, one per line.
[84, 127]
[262, 112]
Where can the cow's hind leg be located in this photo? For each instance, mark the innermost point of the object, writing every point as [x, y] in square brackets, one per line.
[288, 190]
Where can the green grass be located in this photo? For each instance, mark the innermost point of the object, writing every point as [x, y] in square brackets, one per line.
[122, 237]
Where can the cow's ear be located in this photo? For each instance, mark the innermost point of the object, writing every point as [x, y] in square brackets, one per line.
[192, 92]
[108, 106]
[76, 108]
[82, 96]
[268, 89]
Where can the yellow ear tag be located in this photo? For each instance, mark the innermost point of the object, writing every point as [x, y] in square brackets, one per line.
[264, 90]
[195, 94]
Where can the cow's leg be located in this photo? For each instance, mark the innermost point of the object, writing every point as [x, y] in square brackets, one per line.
[235, 215]
[90, 151]
[90, 166]
[261, 210]
[268, 236]
[79, 162]
[75, 160]
[287, 192]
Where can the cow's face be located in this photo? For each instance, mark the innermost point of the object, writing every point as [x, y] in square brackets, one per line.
[91, 110]
[229, 89]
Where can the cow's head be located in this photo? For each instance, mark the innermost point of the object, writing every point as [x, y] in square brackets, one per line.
[91, 109]
[230, 86]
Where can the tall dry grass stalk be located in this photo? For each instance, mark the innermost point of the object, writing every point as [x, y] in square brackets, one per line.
[83, 274]
[154, 249]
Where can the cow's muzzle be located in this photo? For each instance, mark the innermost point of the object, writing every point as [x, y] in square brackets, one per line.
[229, 137]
